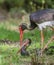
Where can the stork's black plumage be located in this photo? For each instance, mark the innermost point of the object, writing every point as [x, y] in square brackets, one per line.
[41, 16]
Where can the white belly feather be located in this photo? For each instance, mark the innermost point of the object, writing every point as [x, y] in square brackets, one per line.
[46, 24]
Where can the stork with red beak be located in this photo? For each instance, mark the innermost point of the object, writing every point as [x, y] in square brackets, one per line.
[40, 19]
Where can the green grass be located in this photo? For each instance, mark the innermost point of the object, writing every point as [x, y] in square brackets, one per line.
[8, 56]
[7, 34]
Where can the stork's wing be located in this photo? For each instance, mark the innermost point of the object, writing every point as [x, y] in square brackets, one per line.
[42, 15]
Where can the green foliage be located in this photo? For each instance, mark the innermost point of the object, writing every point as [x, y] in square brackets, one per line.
[7, 34]
[8, 55]
[15, 3]
[40, 1]
[28, 5]
[1, 1]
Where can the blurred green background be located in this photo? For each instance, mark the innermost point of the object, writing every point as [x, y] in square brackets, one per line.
[27, 5]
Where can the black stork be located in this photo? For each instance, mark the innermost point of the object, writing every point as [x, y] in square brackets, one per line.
[41, 19]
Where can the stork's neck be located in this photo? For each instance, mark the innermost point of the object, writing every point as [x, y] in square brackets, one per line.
[32, 26]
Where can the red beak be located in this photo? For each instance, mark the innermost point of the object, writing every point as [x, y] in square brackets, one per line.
[21, 35]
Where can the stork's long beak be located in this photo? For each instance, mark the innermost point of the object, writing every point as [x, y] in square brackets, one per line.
[21, 35]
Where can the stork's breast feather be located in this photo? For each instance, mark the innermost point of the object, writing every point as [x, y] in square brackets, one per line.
[46, 24]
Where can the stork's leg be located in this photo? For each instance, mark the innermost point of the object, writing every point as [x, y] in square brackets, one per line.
[42, 41]
[51, 39]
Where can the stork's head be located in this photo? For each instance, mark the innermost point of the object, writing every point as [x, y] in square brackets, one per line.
[23, 26]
